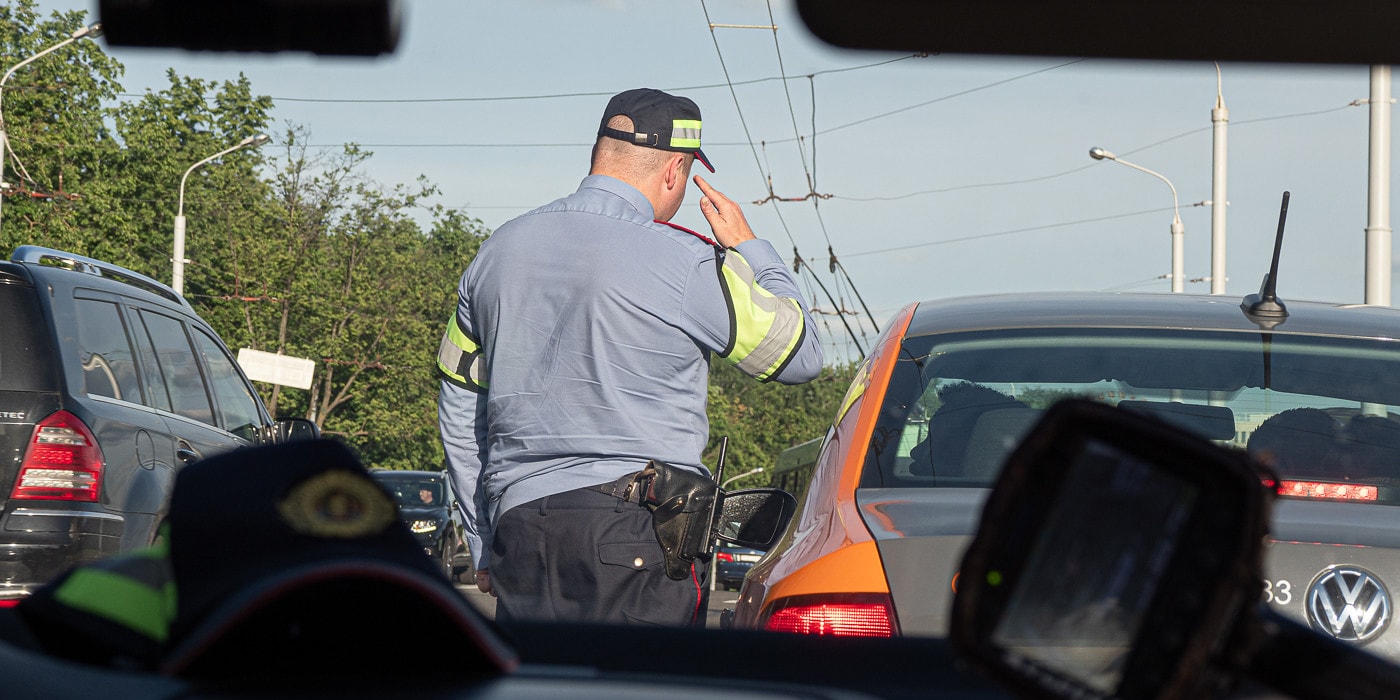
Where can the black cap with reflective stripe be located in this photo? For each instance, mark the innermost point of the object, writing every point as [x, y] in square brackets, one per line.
[659, 120]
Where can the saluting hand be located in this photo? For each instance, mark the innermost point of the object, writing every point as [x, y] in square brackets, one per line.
[725, 217]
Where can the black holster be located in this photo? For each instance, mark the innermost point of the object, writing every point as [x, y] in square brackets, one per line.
[682, 505]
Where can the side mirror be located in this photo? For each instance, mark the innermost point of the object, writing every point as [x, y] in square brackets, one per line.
[1121, 557]
[754, 518]
[291, 430]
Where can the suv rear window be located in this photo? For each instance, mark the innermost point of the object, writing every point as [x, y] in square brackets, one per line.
[26, 354]
[1321, 410]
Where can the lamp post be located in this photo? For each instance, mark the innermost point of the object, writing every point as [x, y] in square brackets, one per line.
[1220, 124]
[91, 31]
[737, 477]
[177, 275]
[1178, 231]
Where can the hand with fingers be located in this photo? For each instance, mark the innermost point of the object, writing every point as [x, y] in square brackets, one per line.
[726, 218]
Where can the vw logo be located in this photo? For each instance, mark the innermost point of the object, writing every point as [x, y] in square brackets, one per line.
[1349, 603]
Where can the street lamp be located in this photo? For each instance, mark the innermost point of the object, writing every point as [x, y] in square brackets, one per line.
[177, 276]
[737, 477]
[91, 31]
[1178, 231]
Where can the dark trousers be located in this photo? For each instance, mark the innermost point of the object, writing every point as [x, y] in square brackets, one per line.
[587, 556]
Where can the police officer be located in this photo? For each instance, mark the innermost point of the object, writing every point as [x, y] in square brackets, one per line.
[579, 352]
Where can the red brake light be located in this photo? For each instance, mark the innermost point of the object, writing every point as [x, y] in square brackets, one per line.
[1324, 489]
[9, 602]
[61, 463]
[724, 556]
[835, 616]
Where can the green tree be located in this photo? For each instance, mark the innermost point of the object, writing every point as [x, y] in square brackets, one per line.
[163, 134]
[58, 141]
[763, 419]
[342, 273]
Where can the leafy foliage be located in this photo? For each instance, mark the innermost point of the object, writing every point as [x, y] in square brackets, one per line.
[763, 419]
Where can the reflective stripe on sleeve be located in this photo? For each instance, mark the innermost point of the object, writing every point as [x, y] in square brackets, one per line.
[765, 330]
[460, 360]
[135, 591]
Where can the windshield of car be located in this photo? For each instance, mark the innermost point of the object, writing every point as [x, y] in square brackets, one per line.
[880, 178]
[415, 492]
[1324, 412]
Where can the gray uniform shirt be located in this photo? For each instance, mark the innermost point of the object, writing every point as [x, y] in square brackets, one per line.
[595, 325]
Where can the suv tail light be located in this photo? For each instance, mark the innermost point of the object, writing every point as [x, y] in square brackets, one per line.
[61, 463]
[857, 615]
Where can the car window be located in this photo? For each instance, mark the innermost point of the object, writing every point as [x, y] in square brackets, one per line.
[25, 360]
[412, 492]
[176, 357]
[104, 352]
[1319, 409]
[157, 393]
[238, 408]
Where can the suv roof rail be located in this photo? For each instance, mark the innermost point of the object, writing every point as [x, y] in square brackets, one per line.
[78, 263]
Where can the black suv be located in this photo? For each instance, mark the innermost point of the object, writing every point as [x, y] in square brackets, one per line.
[428, 509]
[109, 383]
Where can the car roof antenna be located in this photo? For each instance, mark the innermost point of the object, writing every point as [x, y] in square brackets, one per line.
[1265, 308]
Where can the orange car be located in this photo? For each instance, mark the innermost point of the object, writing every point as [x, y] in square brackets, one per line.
[898, 482]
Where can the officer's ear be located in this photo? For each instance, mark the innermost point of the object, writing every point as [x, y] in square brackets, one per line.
[677, 171]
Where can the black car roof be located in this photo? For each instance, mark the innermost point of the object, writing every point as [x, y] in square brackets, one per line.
[1145, 311]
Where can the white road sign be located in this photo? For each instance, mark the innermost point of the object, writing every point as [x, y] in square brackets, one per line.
[276, 369]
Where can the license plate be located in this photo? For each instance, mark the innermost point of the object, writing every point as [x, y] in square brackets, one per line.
[746, 557]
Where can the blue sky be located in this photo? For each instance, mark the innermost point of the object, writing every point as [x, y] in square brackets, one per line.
[947, 175]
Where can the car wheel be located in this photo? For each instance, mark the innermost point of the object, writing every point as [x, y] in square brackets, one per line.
[445, 560]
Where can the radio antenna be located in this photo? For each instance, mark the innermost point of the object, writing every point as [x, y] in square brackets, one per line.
[1265, 308]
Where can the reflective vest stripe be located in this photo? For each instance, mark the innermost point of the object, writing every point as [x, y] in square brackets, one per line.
[136, 592]
[685, 133]
[460, 360]
[765, 330]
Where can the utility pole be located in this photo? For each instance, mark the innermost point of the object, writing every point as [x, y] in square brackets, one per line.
[1220, 124]
[1378, 192]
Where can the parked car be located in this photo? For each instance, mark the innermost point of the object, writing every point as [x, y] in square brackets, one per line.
[426, 504]
[952, 386]
[109, 384]
[732, 563]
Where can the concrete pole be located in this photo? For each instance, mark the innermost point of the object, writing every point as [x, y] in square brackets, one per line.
[1220, 124]
[1178, 257]
[1378, 192]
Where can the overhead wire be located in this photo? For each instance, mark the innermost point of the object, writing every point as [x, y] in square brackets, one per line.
[552, 96]
[759, 163]
[1139, 149]
[1027, 229]
[811, 172]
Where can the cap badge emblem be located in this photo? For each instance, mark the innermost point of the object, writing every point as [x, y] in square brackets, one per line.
[337, 504]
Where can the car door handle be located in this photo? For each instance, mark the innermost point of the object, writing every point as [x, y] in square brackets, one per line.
[186, 454]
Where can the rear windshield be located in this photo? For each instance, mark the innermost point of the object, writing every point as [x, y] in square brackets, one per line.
[1325, 412]
[26, 356]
